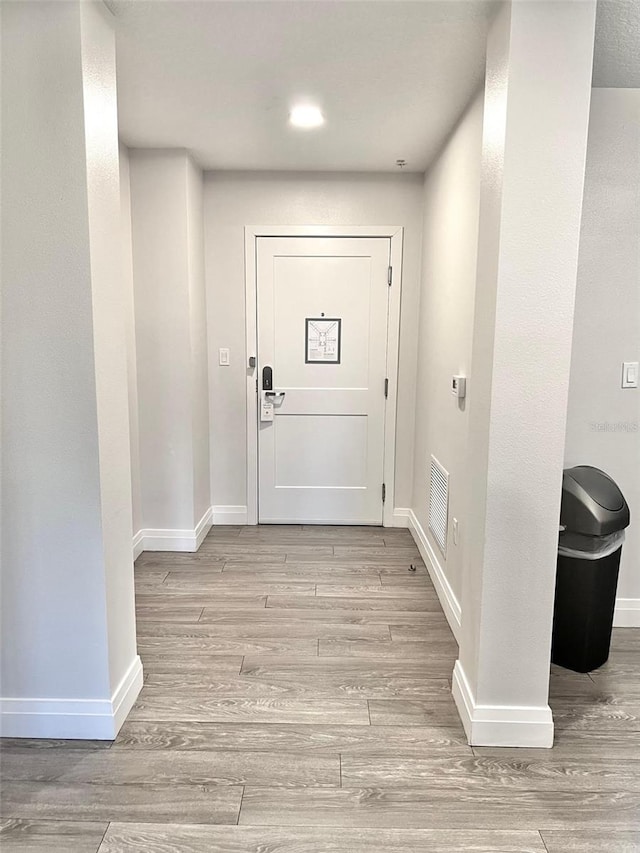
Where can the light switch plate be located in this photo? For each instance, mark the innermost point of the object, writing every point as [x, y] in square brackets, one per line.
[630, 374]
[459, 386]
[223, 357]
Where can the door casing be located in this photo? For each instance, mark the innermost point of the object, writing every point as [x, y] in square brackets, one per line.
[251, 234]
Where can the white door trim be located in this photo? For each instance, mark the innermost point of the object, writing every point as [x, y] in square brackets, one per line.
[395, 233]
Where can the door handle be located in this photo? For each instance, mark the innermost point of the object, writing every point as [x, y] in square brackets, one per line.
[267, 378]
[274, 393]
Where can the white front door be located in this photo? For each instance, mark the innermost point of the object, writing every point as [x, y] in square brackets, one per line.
[323, 305]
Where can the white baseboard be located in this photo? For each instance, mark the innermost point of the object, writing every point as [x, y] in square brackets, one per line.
[126, 693]
[229, 514]
[138, 544]
[405, 517]
[74, 719]
[400, 517]
[627, 613]
[501, 725]
[203, 527]
[167, 539]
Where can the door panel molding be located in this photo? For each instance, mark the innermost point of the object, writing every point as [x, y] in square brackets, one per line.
[251, 234]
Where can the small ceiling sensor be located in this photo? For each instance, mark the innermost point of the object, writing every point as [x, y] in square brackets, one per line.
[401, 163]
[306, 116]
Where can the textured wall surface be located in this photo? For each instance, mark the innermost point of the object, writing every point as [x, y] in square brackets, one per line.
[109, 337]
[48, 381]
[603, 427]
[132, 374]
[539, 62]
[67, 619]
[166, 215]
[198, 336]
[449, 254]
[159, 227]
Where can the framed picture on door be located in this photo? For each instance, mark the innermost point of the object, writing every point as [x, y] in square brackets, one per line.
[323, 340]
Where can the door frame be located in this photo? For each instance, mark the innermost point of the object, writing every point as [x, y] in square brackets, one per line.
[251, 233]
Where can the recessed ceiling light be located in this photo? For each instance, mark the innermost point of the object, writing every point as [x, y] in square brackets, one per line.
[306, 116]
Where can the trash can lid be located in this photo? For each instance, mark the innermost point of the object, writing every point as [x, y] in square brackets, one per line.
[592, 503]
[598, 485]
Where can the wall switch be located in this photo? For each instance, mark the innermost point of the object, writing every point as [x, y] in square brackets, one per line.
[455, 531]
[223, 356]
[630, 374]
[459, 386]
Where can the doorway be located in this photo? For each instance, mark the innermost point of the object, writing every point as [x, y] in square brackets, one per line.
[324, 377]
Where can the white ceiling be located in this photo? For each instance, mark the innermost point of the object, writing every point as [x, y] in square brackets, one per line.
[219, 78]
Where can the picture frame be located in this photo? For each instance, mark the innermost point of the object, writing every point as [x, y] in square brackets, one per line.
[323, 340]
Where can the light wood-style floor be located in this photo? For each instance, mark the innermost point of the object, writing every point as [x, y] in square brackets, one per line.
[297, 700]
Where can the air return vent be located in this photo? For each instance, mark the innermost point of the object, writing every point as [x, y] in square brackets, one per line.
[439, 504]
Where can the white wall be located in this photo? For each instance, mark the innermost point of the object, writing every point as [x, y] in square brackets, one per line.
[603, 420]
[109, 340]
[44, 543]
[68, 648]
[539, 65]
[171, 355]
[130, 332]
[445, 331]
[198, 337]
[234, 200]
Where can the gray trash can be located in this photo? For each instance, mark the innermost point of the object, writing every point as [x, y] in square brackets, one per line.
[593, 519]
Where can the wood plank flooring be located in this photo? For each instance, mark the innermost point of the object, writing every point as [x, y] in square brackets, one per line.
[297, 699]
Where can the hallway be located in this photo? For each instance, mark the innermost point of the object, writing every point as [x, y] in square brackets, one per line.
[297, 700]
